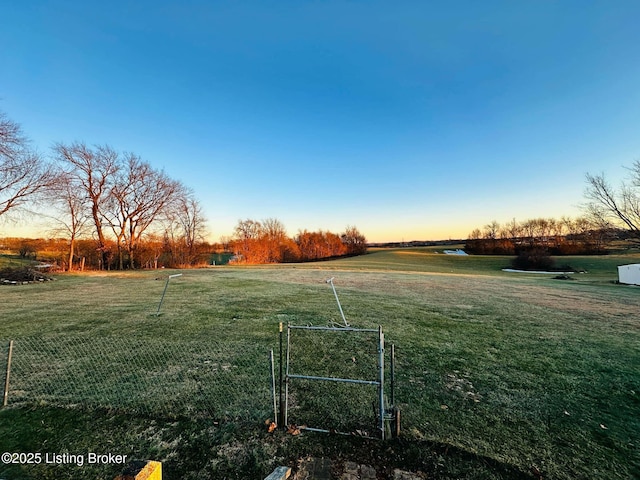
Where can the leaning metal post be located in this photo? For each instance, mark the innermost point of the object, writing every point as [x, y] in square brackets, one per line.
[165, 290]
[5, 399]
[338, 300]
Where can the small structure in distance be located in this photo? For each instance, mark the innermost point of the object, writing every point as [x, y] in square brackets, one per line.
[455, 252]
[629, 274]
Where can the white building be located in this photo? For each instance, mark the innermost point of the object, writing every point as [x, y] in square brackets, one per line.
[629, 274]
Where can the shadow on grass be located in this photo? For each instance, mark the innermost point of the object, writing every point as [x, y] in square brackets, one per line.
[208, 448]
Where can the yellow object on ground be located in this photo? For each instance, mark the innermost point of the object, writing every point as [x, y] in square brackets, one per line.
[151, 471]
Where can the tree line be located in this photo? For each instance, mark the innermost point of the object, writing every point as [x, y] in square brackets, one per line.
[260, 242]
[153, 252]
[564, 236]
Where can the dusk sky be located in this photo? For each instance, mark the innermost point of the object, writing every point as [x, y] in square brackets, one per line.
[410, 120]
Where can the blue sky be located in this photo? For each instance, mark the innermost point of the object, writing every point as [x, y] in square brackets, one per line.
[410, 120]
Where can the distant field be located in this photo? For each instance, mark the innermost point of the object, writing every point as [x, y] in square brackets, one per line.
[12, 261]
[432, 260]
[499, 374]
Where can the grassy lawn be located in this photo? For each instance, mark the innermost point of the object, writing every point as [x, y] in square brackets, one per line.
[13, 261]
[496, 372]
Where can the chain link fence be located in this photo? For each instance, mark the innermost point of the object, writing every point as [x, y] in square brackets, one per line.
[144, 376]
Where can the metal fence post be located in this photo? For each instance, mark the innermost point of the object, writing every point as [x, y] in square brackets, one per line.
[273, 387]
[286, 381]
[381, 379]
[395, 411]
[393, 374]
[5, 399]
[280, 420]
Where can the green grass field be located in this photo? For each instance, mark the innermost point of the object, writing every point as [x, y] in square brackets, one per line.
[13, 261]
[498, 374]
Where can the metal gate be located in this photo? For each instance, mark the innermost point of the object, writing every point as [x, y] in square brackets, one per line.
[379, 380]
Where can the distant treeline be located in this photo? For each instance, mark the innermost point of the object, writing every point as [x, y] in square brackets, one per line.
[566, 236]
[154, 251]
[263, 242]
[253, 243]
[417, 243]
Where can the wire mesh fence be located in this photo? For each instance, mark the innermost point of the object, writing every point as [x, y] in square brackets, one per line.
[144, 376]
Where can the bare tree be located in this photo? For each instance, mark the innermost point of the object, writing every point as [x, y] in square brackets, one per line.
[69, 200]
[542, 228]
[476, 234]
[514, 230]
[246, 234]
[93, 171]
[192, 222]
[529, 232]
[185, 228]
[273, 239]
[354, 241]
[23, 173]
[139, 196]
[620, 207]
[491, 230]
[248, 229]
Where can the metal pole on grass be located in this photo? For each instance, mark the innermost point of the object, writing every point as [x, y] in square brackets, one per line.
[280, 420]
[273, 387]
[395, 411]
[165, 290]
[330, 281]
[6, 381]
[286, 381]
[381, 380]
[393, 374]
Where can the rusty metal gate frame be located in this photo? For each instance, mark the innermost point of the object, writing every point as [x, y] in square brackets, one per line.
[379, 382]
